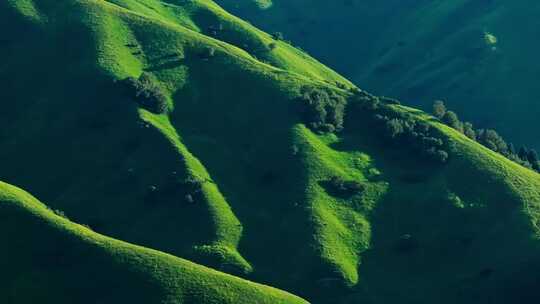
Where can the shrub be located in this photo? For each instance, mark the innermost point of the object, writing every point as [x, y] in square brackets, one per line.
[192, 184]
[532, 156]
[394, 128]
[451, 119]
[432, 142]
[492, 140]
[439, 109]
[60, 213]
[361, 100]
[488, 138]
[523, 153]
[469, 131]
[439, 156]
[321, 110]
[341, 85]
[146, 93]
[403, 130]
[345, 188]
[278, 36]
[511, 149]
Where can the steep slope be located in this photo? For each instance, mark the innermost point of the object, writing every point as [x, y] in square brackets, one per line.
[52, 260]
[230, 177]
[476, 55]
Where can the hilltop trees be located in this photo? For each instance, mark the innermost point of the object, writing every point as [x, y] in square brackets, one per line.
[532, 156]
[468, 130]
[397, 128]
[452, 120]
[361, 100]
[439, 109]
[321, 110]
[394, 127]
[492, 140]
[529, 156]
[487, 137]
[406, 131]
[278, 36]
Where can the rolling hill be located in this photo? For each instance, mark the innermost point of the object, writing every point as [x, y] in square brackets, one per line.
[52, 260]
[208, 178]
[476, 55]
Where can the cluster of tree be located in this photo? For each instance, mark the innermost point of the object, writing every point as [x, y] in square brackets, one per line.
[407, 131]
[487, 137]
[321, 110]
[400, 128]
[338, 186]
[278, 36]
[146, 92]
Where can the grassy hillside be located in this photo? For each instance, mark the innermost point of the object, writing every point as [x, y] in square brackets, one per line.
[228, 176]
[52, 260]
[476, 55]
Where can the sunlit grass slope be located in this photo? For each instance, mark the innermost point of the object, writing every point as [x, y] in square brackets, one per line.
[98, 144]
[52, 260]
[263, 210]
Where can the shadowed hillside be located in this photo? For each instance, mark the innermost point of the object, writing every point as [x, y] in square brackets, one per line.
[476, 55]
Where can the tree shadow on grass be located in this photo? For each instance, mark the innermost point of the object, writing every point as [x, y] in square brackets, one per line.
[165, 65]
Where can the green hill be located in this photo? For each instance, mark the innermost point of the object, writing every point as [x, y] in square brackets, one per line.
[476, 55]
[52, 260]
[175, 126]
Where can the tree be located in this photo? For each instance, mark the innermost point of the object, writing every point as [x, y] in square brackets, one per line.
[437, 155]
[511, 149]
[439, 109]
[532, 156]
[523, 153]
[432, 142]
[277, 36]
[536, 166]
[468, 130]
[322, 110]
[492, 140]
[441, 156]
[451, 119]
[394, 127]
